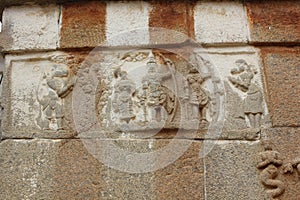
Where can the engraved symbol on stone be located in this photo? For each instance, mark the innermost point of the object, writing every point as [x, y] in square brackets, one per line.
[242, 77]
[53, 88]
[269, 163]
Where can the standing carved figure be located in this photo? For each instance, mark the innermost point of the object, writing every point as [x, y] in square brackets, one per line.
[197, 96]
[122, 101]
[155, 93]
[269, 163]
[57, 85]
[242, 78]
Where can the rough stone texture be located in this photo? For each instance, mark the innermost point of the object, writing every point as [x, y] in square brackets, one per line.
[30, 27]
[220, 23]
[67, 169]
[127, 23]
[274, 21]
[169, 22]
[231, 170]
[83, 24]
[27, 168]
[282, 69]
[286, 142]
[183, 179]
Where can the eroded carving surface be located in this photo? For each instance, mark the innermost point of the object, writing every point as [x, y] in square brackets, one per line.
[54, 86]
[242, 78]
[40, 101]
[145, 91]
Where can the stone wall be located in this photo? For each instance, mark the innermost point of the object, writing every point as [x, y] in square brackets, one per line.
[150, 100]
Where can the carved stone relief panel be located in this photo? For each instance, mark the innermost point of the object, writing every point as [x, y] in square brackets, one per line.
[148, 90]
[215, 89]
[38, 89]
[240, 69]
[144, 90]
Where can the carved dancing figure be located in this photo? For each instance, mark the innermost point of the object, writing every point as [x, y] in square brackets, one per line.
[122, 102]
[270, 160]
[242, 78]
[198, 98]
[155, 94]
[59, 84]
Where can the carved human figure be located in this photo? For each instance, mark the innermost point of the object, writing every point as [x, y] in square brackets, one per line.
[196, 95]
[242, 78]
[269, 163]
[156, 96]
[122, 100]
[59, 84]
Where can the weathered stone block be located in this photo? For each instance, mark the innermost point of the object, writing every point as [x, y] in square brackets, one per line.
[27, 168]
[274, 22]
[281, 66]
[184, 178]
[30, 28]
[83, 24]
[169, 22]
[220, 22]
[230, 169]
[87, 169]
[127, 23]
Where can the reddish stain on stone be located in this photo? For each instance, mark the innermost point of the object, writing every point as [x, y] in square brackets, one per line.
[172, 15]
[274, 21]
[83, 24]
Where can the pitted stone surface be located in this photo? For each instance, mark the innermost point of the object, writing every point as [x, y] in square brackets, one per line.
[281, 66]
[31, 27]
[274, 21]
[66, 169]
[83, 24]
[176, 17]
[231, 171]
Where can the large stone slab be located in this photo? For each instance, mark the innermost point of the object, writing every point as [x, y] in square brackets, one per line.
[71, 169]
[219, 23]
[281, 67]
[274, 22]
[30, 28]
[230, 170]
